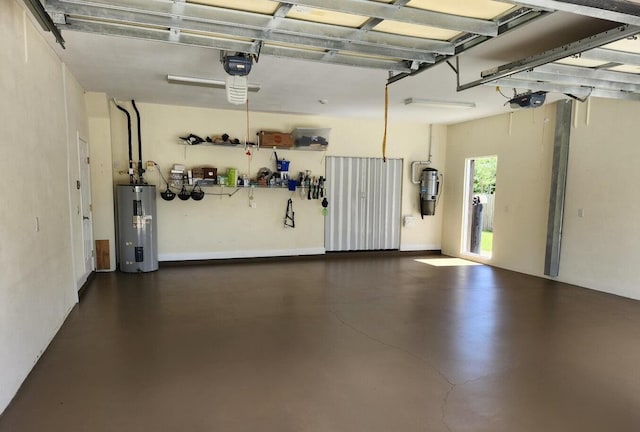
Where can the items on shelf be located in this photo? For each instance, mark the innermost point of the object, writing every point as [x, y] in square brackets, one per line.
[275, 139]
[298, 139]
[187, 183]
[224, 139]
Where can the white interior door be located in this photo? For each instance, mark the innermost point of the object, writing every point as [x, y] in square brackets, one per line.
[364, 204]
[85, 207]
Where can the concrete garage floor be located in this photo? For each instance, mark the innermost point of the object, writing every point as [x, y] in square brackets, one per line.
[349, 344]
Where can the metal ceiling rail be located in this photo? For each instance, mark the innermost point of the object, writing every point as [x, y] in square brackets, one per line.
[622, 11]
[256, 21]
[506, 22]
[164, 35]
[556, 78]
[403, 14]
[612, 56]
[364, 28]
[44, 19]
[578, 91]
[568, 50]
[136, 18]
[596, 74]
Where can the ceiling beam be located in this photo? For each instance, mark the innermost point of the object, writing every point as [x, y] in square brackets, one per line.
[141, 19]
[622, 11]
[163, 35]
[506, 22]
[557, 78]
[612, 56]
[366, 26]
[403, 14]
[597, 74]
[574, 90]
[234, 19]
[553, 55]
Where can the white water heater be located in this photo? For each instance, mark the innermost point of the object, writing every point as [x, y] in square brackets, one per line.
[137, 228]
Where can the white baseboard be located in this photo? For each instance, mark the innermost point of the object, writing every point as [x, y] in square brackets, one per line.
[420, 247]
[191, 256]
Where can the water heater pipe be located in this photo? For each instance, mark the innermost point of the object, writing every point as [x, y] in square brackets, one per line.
[427, 162]
[140, 169]
[129, 139]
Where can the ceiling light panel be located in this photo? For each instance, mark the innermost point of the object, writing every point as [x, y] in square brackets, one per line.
[439, 103]
[483, 9]
[626, 68]
[627, 45]
[577, 61]
[425, 32]
[258, 6]
[326, 16]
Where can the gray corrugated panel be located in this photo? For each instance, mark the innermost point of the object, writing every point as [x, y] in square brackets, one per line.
[365, 196]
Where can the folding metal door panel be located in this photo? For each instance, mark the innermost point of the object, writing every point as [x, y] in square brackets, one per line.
[364, 211]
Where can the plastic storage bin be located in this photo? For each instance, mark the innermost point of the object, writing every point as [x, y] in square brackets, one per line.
[311, 137]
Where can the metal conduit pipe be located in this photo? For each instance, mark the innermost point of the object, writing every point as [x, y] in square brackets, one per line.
[131, 181]
[140, 169]
[414, 164]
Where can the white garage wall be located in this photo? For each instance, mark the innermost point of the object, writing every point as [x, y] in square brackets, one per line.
[227, 227]
[601, 249]
[38, 284]
[523, 143]
[101, 171]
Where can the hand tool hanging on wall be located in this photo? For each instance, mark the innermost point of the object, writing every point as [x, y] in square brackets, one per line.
[289, 216]
[325, 204]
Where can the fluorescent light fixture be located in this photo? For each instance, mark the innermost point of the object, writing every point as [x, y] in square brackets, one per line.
[435, 103]
[205, 82]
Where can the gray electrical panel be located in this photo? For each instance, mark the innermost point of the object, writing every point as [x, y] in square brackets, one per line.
[137, 228]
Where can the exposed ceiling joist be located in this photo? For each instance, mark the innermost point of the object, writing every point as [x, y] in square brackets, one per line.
[577, 91]
[596, 74]
[222, 30]
[575, 80]
[559, 53]
[234, 19]
[612, 56]
[506, 22]
[164, 35]
[365, 27]
[409, 15]
[622, 11]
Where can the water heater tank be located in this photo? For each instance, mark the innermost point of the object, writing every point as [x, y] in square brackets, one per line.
[137, 228]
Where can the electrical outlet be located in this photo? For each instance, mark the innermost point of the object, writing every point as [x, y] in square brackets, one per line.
[150, 166]
[409, 221]
[253, 204]
[580, 212]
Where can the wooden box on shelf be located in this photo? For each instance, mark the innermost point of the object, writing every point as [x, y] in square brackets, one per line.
[275, 139]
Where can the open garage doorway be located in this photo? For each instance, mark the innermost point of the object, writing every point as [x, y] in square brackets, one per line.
[480, 193]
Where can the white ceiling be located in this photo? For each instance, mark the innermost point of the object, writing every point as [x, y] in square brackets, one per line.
[127, 68]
